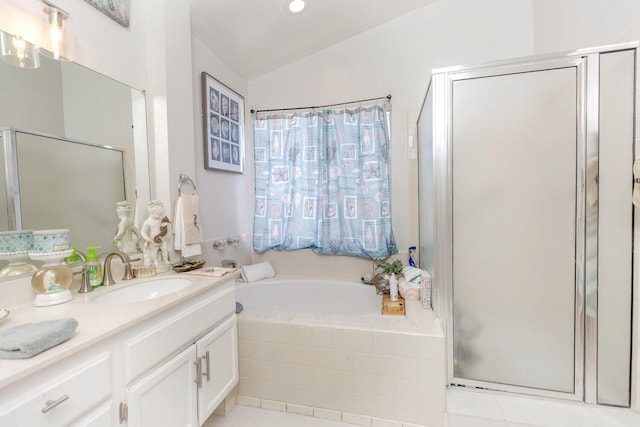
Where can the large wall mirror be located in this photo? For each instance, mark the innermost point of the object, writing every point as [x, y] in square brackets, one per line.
[67, 123]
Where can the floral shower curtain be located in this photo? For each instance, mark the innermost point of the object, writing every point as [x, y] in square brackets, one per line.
[322, 182]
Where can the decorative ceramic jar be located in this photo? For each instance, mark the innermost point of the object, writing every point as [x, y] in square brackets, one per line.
[15, 247]
[49, 241]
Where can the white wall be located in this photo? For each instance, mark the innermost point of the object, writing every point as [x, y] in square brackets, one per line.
[396, 58]
[226, 198]
[573, 24]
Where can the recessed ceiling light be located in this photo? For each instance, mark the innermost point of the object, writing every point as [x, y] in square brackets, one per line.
[296, 6]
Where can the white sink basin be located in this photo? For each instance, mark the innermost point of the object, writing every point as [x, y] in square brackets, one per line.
[142, 291]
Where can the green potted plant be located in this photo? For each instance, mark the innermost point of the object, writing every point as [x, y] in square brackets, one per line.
[390, 268]
[388, 274]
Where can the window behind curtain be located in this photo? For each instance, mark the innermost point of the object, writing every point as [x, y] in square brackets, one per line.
[322, 182]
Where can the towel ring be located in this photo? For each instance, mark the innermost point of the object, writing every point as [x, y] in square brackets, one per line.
[183, 180]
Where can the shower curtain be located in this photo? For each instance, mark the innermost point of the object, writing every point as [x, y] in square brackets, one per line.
[322, 181]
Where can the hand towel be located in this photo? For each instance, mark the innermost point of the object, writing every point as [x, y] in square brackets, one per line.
[29, 339]
[426, 290]
[179, 232]
[191, 216]
[636, 183]
[254, 272]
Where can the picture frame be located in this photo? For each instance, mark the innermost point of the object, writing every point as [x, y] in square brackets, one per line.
[118, 10]
[223, 131]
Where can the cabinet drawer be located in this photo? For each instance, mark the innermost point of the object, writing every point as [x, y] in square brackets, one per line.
[167, 337]
[71, 395]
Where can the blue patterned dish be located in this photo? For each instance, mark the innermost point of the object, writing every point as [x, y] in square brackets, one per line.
[48, 241]
[16, 241]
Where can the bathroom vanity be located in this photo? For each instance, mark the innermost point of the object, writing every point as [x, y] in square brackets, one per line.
[169, 360]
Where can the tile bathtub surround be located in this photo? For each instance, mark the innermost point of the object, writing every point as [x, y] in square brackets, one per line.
[368, 372]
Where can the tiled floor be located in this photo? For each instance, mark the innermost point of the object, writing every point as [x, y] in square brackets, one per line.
[478, 409]
[465, 409]
[247, 416]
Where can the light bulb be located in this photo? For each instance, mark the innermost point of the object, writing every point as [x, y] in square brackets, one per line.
[56, 35]
[19, 45]
[296, 6]
[53, 45]
[18, 52]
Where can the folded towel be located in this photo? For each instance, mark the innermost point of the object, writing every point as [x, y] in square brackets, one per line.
[183, 222]
[426, 290]
[413, 276]
[409, 293]
[29, 339]
[213, 271]
[261, 270]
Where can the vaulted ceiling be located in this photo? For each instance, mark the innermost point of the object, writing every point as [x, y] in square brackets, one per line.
[258, 36]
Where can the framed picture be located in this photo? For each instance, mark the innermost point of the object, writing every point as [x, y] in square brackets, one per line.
[223, 118]
[118, 10]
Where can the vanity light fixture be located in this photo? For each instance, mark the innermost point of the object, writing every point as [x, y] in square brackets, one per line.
[18, 52]
[296, 6]
[53, 45]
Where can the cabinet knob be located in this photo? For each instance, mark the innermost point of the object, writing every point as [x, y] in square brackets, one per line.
[50, 404]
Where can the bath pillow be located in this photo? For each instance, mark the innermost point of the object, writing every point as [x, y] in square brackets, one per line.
[261, 270]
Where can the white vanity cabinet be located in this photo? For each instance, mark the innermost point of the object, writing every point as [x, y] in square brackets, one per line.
[183, 364]
[169, 367]
[68, 392]
[186, 389]
[218, 366]
[166, 396]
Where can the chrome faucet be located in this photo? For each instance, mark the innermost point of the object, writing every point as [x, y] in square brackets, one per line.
[80, 255]
[106, 271]
[85, 285]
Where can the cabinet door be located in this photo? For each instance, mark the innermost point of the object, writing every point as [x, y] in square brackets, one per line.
[101, 417]
[74, 392]
[218, 354]
[167, 395]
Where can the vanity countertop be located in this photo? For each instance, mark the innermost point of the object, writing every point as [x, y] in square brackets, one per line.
[96, 321]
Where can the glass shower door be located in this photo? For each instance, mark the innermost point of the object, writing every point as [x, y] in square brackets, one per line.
[515, 144]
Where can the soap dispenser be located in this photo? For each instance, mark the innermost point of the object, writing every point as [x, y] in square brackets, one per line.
[94, 269]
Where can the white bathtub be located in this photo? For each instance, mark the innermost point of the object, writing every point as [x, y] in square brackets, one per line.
[310, 295]
[323, 348]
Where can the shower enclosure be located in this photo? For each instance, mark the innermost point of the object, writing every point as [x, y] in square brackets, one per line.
[526, 221]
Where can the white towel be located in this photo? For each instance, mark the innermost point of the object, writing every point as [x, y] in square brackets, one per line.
[636, 183]
[413, 276]
[191, 215]
[214, 271]
[179, 232]
[254, 272]
[419, 279]
[29, 339]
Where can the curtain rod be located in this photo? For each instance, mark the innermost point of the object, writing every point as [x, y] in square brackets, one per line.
[388, 97]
